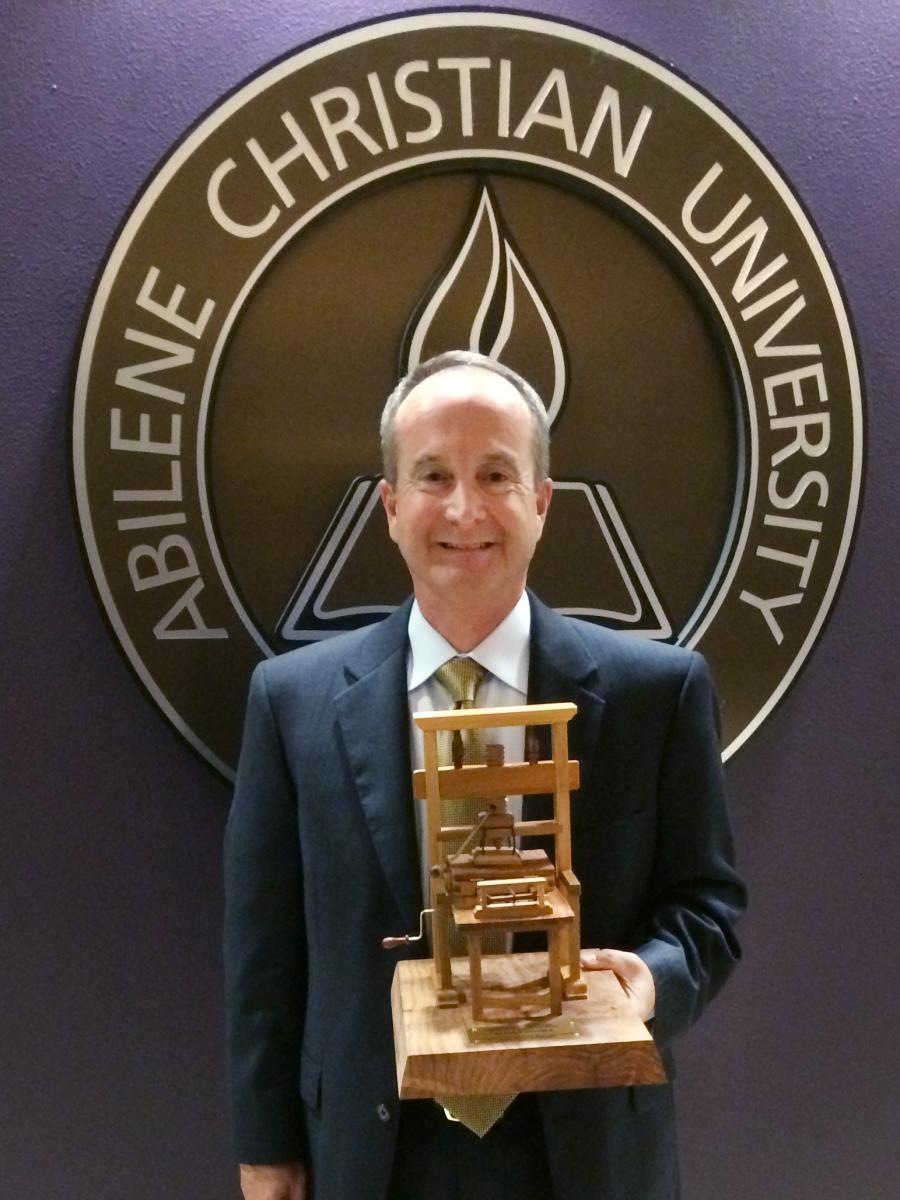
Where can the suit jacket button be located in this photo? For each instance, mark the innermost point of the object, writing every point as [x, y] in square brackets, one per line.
[383, 1113]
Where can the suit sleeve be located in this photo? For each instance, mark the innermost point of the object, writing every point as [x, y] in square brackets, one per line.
[265, 953]
[687, 935]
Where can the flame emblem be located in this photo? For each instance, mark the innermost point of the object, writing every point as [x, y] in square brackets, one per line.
[485, 298]
[512, 321]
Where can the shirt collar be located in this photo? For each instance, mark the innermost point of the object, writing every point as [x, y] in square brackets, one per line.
[504, 652]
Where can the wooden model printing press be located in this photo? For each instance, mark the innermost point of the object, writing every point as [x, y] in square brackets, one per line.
[492, 1023]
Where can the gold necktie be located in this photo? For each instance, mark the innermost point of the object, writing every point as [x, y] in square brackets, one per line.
[462, 678]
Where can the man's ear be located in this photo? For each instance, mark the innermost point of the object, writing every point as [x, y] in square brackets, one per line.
[544, 493]
[389, 500]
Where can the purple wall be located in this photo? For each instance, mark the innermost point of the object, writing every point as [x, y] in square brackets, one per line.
[109, 860]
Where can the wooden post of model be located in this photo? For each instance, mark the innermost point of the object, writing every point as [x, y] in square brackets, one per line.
[492, 887]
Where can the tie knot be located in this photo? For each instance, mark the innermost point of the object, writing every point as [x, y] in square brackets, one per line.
[461, 677]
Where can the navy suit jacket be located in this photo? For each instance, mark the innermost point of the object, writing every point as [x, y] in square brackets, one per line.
[322, 863]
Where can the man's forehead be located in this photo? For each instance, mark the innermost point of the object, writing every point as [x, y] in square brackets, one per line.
[458, 386]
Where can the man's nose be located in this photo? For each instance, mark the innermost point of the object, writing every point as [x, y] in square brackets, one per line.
[464, 503]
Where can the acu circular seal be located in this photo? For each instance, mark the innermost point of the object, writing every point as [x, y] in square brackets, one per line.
[507, 183]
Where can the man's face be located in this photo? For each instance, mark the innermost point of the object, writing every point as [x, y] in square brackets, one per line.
[466, 511]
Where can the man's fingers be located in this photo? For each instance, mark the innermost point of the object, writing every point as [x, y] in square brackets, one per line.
[632, 973]
[601, 960]
[278, 1181]
[609, 960]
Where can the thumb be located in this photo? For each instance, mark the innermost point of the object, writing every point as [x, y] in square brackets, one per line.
[598, 960]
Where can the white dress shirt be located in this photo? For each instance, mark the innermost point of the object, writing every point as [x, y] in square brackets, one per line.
[504, 655]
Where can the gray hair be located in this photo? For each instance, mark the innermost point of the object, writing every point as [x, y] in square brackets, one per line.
[540, 426]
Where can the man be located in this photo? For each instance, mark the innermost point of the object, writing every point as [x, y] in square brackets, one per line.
[322, 858]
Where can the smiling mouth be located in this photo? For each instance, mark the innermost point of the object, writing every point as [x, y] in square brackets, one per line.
[466, 545]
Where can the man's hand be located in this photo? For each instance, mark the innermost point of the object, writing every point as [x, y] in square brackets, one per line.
[632, 972]
[281, 1181]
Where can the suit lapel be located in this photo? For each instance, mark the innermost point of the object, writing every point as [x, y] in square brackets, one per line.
[373, 712]
[562, 669]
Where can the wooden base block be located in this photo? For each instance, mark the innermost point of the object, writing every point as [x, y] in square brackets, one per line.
[435, 1055]
[575, 991]
[448, 997]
